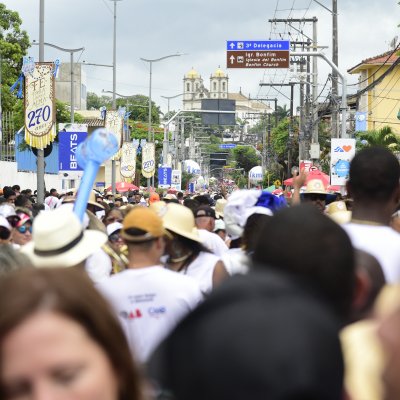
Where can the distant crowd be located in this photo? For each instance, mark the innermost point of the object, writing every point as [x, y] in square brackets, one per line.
[207, 295]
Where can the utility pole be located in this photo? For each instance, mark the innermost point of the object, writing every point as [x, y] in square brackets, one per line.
[40, 153]
[335, 60]
[314, 124]
[114, 100]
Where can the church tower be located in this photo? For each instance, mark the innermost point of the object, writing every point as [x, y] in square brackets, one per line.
[192, 87]
[219, 85]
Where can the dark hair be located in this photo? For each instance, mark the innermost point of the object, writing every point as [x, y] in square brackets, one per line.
[36, 208]
[69, 292]
[191, 204]
[21, 201]
[368, 264]
[307, 244]
[7, 192]
[53, 191]
[252, 229]
[203, 200]
[179, 195]
[374, 175]
[16, 188]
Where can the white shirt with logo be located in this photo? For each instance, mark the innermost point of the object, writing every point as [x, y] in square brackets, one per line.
[149, 303]
[382, 242]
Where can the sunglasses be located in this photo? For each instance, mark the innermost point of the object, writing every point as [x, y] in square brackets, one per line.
[24, 229]
[114, 237]
[315, 197]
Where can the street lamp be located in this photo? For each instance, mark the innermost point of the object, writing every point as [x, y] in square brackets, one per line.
[150, 61]
[71, 52]
[130, 104]
[171, 97]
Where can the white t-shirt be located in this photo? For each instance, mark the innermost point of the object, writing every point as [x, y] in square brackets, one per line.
[213, 242]
[236, 261]
[382, 242]
[149, 303]
[202, 269]
[98, 266]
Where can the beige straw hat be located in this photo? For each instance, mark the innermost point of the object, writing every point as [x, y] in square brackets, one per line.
[60, 241]
[180, 220]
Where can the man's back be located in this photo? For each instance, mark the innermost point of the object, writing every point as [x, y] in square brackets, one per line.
[150, 302]
[380, 241]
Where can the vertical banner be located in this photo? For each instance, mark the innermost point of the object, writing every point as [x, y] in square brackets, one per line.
[176, 179]
[148, 160]
[128, 160]
[115, 123]
[342, 152]
[361, 121]
[69, 137]
[39, 106]
[164, 177]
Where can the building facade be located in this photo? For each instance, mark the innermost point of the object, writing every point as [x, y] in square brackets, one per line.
[63, 85]
[249, 111]
[379, 77]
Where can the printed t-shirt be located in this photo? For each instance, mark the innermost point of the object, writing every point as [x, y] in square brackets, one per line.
[149, 303]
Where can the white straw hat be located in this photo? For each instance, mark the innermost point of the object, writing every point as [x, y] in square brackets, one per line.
[180, 220]
[60, 241]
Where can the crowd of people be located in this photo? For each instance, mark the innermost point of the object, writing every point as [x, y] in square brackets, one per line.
[203, 296]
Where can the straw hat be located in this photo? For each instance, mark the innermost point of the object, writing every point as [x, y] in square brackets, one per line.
[337, 210]
[315, 186]
[219, 207]
[60, 241]
[180, 220]
[92, 200]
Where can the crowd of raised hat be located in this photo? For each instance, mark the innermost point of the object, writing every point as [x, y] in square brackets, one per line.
[187, 296]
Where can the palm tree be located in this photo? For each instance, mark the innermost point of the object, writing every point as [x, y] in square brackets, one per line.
[384, 137]
[282, 112]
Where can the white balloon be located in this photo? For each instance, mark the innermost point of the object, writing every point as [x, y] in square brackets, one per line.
[192, 167]
[255, 175]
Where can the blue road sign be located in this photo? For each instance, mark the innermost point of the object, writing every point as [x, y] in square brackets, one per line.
[282, 45]
[227, 146]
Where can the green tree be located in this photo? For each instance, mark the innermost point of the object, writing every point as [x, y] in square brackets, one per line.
[95, 102]
[138, 106]
[246, 157]
[383, 137]
[14, 43]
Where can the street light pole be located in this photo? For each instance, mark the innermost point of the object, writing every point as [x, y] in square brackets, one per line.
[166, 130]
[150, 61]
[40, 152]
[114, 102]
[71, 52]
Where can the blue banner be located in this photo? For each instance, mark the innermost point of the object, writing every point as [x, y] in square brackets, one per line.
[164, 176]
[276, 45]
[68, 142]
[361, 121]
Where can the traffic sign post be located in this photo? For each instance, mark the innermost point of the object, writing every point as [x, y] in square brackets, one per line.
[258, 54]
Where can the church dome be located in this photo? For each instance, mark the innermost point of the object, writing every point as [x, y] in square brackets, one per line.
[218, 73]
[192, 74]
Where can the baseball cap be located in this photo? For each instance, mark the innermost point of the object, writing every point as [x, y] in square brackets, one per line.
[205, 211]
[141, 225]
[154, 197]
